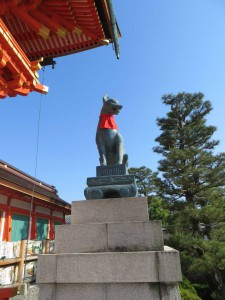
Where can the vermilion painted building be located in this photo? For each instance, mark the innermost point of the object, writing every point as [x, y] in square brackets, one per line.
[26, 201]
[35, 30]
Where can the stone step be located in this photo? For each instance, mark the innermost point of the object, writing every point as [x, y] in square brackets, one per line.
[132, 236]
[110, 267]
[132, 209]
[109, 291]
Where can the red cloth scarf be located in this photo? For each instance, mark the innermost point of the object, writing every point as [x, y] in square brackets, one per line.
[107, 121]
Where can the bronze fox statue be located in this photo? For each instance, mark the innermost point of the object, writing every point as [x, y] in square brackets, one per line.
[109, 141]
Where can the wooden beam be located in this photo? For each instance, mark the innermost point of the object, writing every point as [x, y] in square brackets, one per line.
[52, 24]
[23, 190]
[24, 16]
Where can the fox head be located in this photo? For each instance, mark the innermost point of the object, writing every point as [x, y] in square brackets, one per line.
[110, 106]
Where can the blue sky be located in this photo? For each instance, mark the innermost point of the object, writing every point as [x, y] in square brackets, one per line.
[166, 47]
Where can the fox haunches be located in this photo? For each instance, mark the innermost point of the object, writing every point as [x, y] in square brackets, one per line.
[109, 141]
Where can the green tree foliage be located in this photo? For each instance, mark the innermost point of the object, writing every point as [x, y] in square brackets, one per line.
[187, 291]
[192, 186]
[146, 181]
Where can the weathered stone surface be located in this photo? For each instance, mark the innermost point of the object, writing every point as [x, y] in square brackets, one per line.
[111, 267]
[109, 291]
[81, 238]
[132, 236]
[110, 210]
[47, 291]
[169, 263]
[169, 291]
[135, 236]
[110, 252]
[142, 291]
[81, 292]
[107, 267]
[46, 270]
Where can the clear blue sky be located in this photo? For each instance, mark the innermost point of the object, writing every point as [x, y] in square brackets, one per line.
[166, 47]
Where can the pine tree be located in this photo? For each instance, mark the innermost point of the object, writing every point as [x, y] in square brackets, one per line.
[192, 184]
[146, 181]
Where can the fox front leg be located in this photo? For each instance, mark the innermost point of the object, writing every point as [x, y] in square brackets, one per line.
[120, 149]
[102, 155]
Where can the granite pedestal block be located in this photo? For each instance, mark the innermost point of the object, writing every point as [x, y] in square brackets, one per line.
[109, 291]
[110, 210]
[110, 251]
[123, 237]
[111, 267]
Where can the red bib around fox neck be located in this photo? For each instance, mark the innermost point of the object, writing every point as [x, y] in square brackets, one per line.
[107, 121]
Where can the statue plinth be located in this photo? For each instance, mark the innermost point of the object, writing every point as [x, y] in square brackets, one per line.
[111, 182]
[110, 251]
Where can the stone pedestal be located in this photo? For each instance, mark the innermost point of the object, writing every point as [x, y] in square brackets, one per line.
[111, 251]
[111, 182]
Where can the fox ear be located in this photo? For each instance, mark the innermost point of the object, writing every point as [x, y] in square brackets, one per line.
[105, 98]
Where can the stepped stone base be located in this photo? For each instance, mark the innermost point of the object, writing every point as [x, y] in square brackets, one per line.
[109, 291]
[111, 251]
[94, 237]
[110, 267]
[110, 210]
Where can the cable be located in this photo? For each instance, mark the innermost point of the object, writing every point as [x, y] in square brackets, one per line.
[35, 174]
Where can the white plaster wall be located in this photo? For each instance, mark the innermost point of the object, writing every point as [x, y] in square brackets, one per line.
[43, 210]
[57, 214]
[3, 199]
[20, 204]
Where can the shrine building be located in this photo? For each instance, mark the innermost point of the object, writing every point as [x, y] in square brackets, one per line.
[24, 199]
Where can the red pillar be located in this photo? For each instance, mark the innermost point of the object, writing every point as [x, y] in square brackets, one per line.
[8, 222]
[51, 227]
[33, 226]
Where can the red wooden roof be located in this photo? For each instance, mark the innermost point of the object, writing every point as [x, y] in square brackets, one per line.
[34, 29]
[15, 179]
[51, 28]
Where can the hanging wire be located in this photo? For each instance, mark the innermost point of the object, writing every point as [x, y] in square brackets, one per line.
[35, 175]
